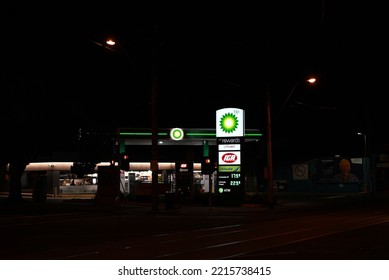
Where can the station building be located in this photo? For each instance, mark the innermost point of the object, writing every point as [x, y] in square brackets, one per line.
[188, 150]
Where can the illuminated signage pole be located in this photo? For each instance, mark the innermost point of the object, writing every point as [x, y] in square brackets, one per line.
[230, 131]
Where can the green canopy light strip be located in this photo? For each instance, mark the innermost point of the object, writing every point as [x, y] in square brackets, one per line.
[200, 134]
[191, 134]
[141, 133]
[253, 134]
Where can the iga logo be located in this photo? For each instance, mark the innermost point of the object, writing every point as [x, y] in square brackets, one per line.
[229, 158]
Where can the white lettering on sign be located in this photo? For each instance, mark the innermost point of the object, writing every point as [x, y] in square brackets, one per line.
[230, 140]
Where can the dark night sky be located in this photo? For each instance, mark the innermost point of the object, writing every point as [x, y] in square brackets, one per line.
[210, 56]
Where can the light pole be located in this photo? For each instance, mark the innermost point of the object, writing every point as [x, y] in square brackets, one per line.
[364, 144]
[269, 153]
[154, 133]
[154, 116]
[365, 160]
[269, 139]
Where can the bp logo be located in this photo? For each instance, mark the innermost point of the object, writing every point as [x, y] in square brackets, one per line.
[229, 122]
[176, 134]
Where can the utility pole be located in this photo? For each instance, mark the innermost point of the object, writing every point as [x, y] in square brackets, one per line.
[154, 110]
[271, 199]
[269, 153]
[154, 124]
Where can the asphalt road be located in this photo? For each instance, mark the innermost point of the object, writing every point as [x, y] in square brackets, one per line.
[331, 228]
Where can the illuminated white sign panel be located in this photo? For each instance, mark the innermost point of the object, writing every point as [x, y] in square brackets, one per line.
[229, 147]
[229, 158]
[230, 122]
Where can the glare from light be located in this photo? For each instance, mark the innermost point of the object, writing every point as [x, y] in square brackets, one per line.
[311, 80]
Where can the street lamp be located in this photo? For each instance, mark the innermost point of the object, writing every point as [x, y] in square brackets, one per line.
[109, 44]
[271, 201]
[311, 80]
[364, 144]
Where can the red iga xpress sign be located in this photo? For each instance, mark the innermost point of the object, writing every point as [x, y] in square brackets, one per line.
[229, 158]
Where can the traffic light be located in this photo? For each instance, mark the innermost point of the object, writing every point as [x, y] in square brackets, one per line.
[124, 161]
[207, 166]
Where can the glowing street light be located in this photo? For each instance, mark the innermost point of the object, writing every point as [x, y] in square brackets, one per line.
[269, 139]
[110, 42]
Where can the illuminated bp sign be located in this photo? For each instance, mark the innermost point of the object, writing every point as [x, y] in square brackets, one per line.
[230, 139]
[230, 123]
